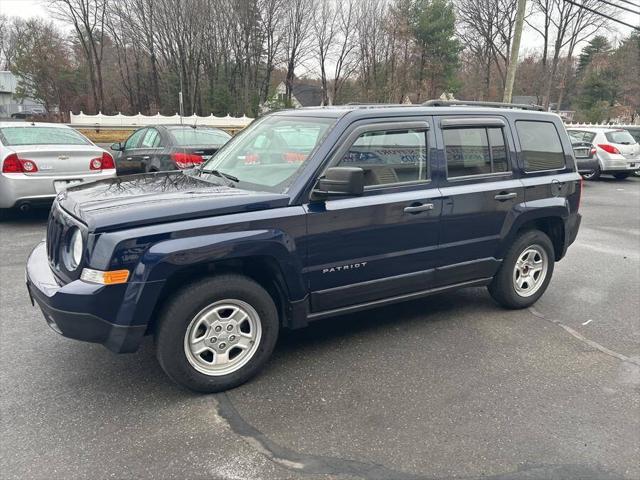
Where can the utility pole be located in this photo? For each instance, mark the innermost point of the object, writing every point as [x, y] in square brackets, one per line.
[515, 51]
[180, 100]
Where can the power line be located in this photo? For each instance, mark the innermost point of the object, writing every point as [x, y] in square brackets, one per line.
[620, 6]
[630, 3]
[579, 5]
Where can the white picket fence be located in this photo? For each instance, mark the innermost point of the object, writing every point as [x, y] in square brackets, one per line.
[123, 121]
[601, 125]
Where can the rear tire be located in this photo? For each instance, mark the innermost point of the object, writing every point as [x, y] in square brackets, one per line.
[216, 333]
[621, 176]
[593, 174]
[525, 272]
[636, 173]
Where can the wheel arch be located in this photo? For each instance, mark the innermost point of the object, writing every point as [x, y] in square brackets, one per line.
[262, 269]
[266, 261]
[551, 222]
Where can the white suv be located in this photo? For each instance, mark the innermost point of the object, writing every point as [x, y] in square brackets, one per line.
[617, 151]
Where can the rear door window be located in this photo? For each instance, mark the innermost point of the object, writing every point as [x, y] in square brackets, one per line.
[475, 151]
[541, 146]
[151, 139]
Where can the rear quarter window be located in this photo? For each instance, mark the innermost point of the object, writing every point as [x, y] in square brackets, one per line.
[541, 145]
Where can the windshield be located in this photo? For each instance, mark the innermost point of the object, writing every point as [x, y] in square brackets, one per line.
[620, 137]
[271, 151]
[14, 136]
[187, 136]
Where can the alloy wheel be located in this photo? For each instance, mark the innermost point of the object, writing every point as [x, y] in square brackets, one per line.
[223, 337]
[530, 270]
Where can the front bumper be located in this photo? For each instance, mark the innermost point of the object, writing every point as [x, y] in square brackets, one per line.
[17, 188]
[79, 309]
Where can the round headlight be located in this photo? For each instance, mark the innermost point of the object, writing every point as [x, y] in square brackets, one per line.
[74, 256]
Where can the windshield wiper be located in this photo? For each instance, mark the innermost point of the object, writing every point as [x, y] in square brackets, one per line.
[220, 174]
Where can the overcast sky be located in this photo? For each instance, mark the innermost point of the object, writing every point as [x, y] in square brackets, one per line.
[530, 40]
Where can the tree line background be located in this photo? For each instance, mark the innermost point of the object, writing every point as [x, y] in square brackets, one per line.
[226, 56]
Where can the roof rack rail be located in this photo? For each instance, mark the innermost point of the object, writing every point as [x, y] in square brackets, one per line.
[448, 103]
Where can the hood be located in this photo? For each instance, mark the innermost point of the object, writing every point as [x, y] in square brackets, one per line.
[135, 200]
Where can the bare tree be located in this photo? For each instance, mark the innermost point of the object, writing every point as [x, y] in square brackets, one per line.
[325, 32]
[297, 40]
[373, 47]
[345, 60]
[88, 18]
[487, 27]
[565, 26]
[272, 19]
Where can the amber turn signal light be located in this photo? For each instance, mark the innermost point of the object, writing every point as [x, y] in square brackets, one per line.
[111, 277]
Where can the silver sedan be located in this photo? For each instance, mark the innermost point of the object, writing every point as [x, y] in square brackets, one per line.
[38, 160]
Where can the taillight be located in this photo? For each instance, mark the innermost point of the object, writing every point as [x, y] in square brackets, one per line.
[13, 164]
[294, 157]
[186, 160]
[609, 148]
[103, 163]
[252, 159]
[593, 151]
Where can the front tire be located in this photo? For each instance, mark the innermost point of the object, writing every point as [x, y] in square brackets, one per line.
[217, 333]
[621, 176]
[525, 272]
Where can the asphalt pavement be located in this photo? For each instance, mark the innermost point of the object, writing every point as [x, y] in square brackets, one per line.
[449, 387]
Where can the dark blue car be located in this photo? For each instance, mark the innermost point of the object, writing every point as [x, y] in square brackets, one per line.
[304, 215]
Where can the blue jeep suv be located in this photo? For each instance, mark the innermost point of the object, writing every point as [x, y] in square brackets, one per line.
[304, 215]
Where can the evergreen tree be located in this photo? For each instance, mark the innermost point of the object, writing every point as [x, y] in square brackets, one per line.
[434, 26]
[597, 45]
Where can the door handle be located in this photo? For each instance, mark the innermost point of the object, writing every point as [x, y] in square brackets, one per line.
[128, 158]
[146, 157]
[419, 208]
[503, 196]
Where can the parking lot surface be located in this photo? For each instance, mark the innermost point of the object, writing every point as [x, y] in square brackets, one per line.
[449, 387]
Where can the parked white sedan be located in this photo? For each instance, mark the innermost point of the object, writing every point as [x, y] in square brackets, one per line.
[38, 160]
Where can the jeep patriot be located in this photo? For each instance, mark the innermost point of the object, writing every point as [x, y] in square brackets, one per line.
[304, 215]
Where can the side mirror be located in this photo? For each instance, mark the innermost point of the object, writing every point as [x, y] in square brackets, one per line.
[339, 181]
[116, 147]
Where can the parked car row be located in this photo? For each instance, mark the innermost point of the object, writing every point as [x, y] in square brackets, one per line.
[39, 160]
[611, 151]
